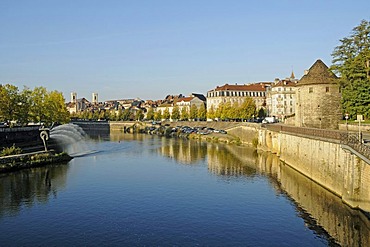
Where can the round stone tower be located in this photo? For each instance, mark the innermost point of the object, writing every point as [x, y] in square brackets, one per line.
[318, 98]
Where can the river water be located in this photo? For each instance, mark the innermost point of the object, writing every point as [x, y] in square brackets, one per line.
[141, 190]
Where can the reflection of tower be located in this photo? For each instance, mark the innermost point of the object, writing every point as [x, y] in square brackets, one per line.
[94, 98]
[73, 97]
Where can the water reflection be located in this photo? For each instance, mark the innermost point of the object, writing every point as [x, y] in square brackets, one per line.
[30, 186]
[322, 211]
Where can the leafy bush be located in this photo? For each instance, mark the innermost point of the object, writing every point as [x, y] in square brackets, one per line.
[10, 151]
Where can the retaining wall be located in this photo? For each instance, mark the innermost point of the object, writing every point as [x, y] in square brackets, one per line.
[324, 161]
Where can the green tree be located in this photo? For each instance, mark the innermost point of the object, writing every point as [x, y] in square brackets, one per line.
[351, 61]
[166, 114]
[193, 112]
[126, 114]
[184, 114]
[139, 115]
[150, 114]
[175, 113]
[211, 114]
[158, 115]
[54, 108]
[202, 113]
[9, 102]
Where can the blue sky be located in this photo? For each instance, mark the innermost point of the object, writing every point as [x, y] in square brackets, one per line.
[149, 49]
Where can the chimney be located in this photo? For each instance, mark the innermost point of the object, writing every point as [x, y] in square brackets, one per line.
[306, 72]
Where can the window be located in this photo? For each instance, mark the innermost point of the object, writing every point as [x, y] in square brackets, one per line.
[327, 89]
[310, 89]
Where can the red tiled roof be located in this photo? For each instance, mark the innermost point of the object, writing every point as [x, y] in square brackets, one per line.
[285, 83]
[185, 99]
[245, 87]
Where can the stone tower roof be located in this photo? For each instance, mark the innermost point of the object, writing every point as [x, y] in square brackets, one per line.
[319, 73]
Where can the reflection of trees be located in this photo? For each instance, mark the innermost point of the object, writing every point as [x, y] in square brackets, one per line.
[183, 151]
[231, 160]
[26, 187]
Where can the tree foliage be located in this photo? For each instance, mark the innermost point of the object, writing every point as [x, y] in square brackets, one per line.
[193, 114]
[36, 105]
[202, 112]
[235, 111]
[166, 114]
[351, 61]
[175, 113]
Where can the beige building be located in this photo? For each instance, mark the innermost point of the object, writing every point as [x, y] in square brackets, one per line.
[183, 102]
[280, 98]
[237, 93]
[318, 98]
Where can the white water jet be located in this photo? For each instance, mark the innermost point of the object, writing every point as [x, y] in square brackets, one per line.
[72, 138]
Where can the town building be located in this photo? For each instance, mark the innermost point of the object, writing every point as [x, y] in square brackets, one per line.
[238, 93]
[280, 98]
[318, 102]
[182, 102]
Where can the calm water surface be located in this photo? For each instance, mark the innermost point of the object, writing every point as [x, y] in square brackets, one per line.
[126, 190]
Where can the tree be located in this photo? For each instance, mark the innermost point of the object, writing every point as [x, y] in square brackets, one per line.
[150, 114]
[126, 114]
[55, 109]
[175, 113]
[247, 108]
[139, 115]
[202, 113]
[193, 112]
[9, 100]
[166, 114]
[351, 61]
[184, 114]
[158, 115]
[211, 114]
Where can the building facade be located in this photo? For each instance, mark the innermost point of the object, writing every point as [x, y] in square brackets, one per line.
[281, 98]
[237, 94]
[318, 98]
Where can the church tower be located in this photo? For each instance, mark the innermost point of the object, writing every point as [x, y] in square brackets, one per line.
[73, 97]
[94, 98]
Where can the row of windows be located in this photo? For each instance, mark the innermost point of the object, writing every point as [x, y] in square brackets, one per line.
[235, 93]
[290, 89]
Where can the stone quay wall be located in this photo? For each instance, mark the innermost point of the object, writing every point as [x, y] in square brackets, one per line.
[325, 161]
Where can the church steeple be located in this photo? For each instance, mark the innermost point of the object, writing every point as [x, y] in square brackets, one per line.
[292, 76]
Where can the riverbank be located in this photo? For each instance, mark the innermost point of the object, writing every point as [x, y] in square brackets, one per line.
[29, 160]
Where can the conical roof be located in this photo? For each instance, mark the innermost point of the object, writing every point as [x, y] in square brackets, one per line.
[319, 73]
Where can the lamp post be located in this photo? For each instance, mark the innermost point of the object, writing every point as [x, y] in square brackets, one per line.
[346, 117]
[360, 118]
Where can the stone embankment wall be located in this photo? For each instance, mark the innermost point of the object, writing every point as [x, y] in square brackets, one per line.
[324, 161]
